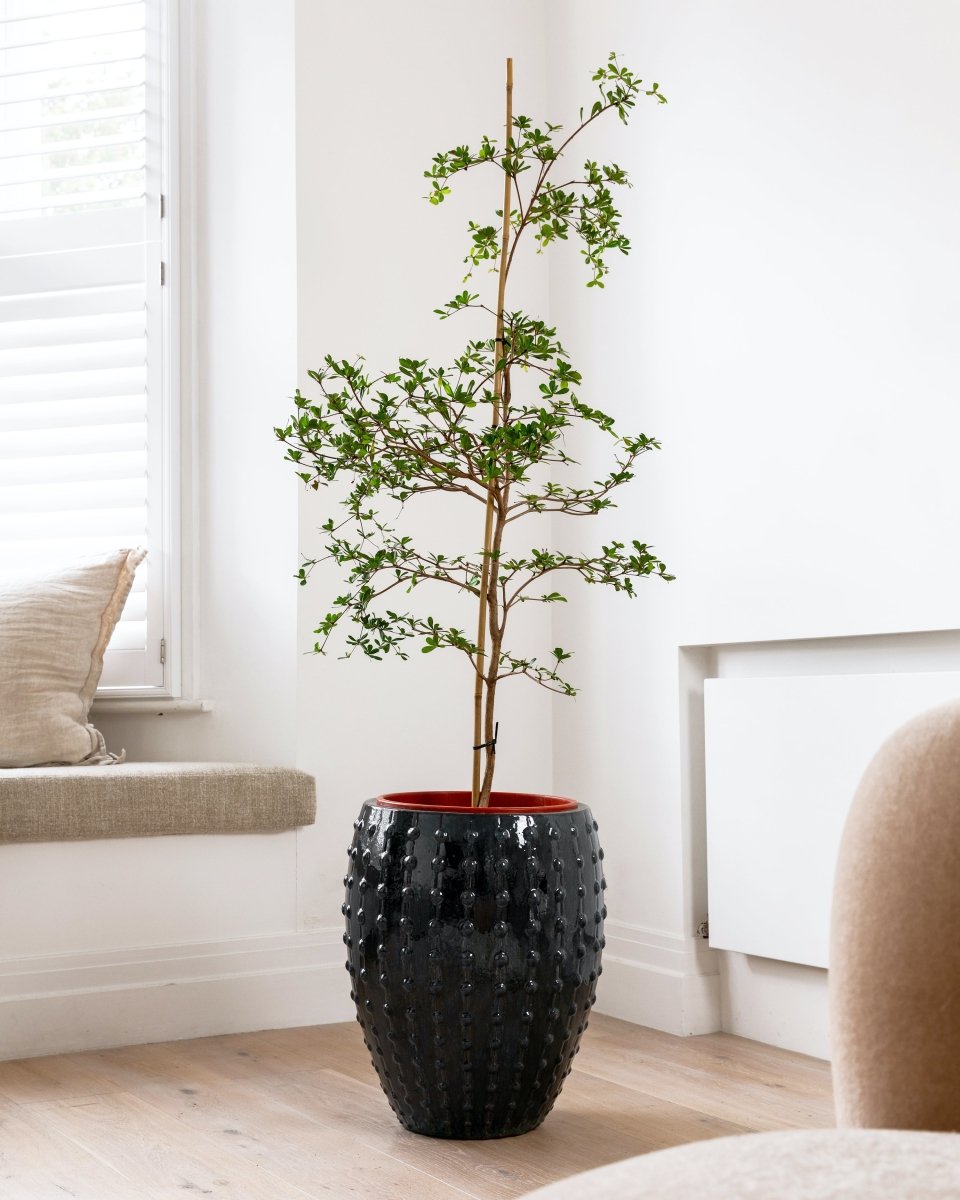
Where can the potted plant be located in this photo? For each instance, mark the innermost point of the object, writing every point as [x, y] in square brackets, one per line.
[475, 917]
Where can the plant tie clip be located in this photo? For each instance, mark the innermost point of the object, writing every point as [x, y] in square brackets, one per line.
[493, 743]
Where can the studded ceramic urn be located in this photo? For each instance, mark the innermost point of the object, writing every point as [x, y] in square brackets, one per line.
[474, 939]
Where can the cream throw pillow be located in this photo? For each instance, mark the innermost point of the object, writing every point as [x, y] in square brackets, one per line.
[54, 628]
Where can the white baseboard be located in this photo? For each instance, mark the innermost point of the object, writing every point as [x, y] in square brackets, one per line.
[53, 1004]
[661, 980]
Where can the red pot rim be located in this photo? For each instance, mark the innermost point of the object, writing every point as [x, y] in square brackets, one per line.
[511, 803]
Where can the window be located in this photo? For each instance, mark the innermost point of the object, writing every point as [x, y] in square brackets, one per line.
[87, 416]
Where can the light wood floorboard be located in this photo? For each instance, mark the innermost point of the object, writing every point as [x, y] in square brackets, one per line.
[297, 1114]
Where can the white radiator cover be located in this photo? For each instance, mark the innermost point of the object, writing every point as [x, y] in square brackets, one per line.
[783, 759]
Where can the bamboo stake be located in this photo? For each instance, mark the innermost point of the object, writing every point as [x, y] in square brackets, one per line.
[488, 524]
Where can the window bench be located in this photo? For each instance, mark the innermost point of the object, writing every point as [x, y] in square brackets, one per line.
[112, 933]
[56, 804]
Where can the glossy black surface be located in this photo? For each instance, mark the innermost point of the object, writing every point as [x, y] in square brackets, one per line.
[474, 946]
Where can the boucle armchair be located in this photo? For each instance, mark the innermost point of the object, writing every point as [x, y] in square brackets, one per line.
[895, 1012]
[895, 953]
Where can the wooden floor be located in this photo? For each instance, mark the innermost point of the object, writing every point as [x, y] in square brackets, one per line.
[298, 1113]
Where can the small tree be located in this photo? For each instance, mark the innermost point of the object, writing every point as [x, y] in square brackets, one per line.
[479, 429]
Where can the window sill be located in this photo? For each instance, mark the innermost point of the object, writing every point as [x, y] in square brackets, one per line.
[149, 706]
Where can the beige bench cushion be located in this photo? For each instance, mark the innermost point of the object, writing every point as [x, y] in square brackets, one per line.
[798, 1165]
[55, 804]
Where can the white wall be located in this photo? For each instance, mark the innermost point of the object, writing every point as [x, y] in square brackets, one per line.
[784, 326]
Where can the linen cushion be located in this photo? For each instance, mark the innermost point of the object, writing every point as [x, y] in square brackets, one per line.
[56, 804]
[54, 628]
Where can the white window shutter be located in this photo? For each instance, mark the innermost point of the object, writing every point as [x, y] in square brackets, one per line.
[81, 315]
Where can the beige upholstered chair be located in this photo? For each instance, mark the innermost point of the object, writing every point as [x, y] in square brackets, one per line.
[895, 954]
[895, 1012]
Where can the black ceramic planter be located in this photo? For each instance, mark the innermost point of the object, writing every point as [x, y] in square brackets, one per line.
[474, 941]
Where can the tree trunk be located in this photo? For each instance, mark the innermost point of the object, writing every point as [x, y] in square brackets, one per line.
[483, 729]
[497, 622]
